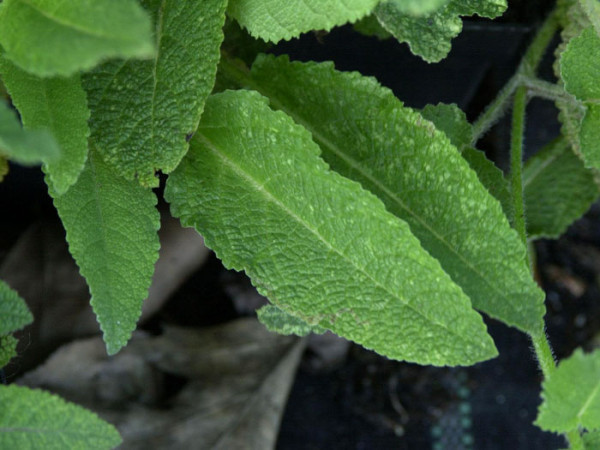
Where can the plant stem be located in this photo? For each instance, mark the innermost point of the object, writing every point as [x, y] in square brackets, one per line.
[516, 164]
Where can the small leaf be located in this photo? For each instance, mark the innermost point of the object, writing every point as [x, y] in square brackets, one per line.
[8, 349]
[317, 244]
[589, 136]
[46, 37]
[417, 7]
[370, 26]
[14, 313]
[58, 105]
[274, 20]
[592, 11]
[572, 395]
[366, 134]
[111, 226]
[36, 419]
[452, 121]
[144, 112]
[430, 36]
[278, 321]
[558, 190]
[26, 147]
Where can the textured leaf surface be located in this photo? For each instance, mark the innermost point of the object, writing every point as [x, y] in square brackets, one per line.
[36, 419]
[144, 112]
[592, 11]
[591, 440]
[315, 243]
[580, 66]
[58, 37]
[367, 135]
[558, 190]
[430, 36]
[111, 226]
[273, 20]
[24, 146]
[278, 321]
[417, 7]
[572, 395]
[452, 121]
[8, 349]
[14, 313]
[58, 105]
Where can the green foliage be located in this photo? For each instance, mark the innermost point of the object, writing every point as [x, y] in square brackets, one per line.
[452, 121]
[558, 190]
[310, 265]
[24, 146]
[36, 419]
[144, 112]
[274, 20]
[278, 321]
[591, 440]
[8, 349]
[572, 395]
[64, 37]
[13, 310]
[417, 7]
[111, 226]
[360, 128]
[429, 36]
[58, 105]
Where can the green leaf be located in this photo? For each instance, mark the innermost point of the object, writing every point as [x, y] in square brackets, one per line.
[111, 226]
[14, 313]
[274, 20]
[8, 349]
[367, 135]
[49, 37]
[558, 190]
[452, 121]
[3, 168]
[589, 136]
[591, 440]
[278, 321]
[24, 146]
[572, 395]
[417, 7]
[592, 11]
[30, 418]
[144, 112]
[315, 243]
[370, 26]
[58, 105]
[430, 36]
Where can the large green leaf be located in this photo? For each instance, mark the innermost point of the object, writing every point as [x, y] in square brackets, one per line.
[8, 349]
[579, 69]
[24, 146]
[278, 321]
[144, 112]
[572, 395]
[273, 20]
[558, 190]
[315, 243]
[430, 36]
[450, 119]
[58, 105]
[34, 419]
[111, 226]
[57, 37]
[367, 135]
[417, 7]
[14, 313]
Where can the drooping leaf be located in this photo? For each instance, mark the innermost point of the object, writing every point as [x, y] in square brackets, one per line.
[24, 146]
[49, 37]
[429, 36]
[278, 321]
[144, 112]
[558, 190]
[30, 418]
[572, 395]
[367, 135]
[579, 68]
[14, 313]
[274, 20]
[452, 121]
[112, 226]
[8, 349]
[315, 243]
[58, 105]
[417, 7]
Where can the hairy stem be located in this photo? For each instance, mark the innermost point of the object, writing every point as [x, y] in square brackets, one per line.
[516, 163]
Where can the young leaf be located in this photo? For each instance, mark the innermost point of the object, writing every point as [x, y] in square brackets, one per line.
[8, 349]
[111, 226]
[558, 189]
[278, 321]
[572, 395]
[46, 37]
[30, 418]
[579, 67]
[430, 36]
[316, 244]
[58, 105]
[14, 313]
[274, 20]
[367, 135]
[24, 146]
[144, 112]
